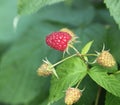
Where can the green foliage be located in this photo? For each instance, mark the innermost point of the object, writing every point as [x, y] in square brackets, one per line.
[22, 51]
[54, 15]
[70, 72]
[111, 99]
[96, 32]
[109, 82]
[88, 97]
[86, 48]
[113, 42]
[18, 72]
[6, 30]
[31, 6]
[114, 7]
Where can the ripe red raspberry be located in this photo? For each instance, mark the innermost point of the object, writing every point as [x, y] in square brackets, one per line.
[59, 40]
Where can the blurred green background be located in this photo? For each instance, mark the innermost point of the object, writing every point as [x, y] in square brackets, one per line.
[22, 49]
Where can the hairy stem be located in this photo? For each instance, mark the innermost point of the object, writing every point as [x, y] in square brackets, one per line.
[89, 55]
[63, 60]
[75, 49]
[78, 84]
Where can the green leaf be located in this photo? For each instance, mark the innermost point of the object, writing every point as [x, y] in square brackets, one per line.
[109, 82]
[69, 2]
[70, 72]
[86, 47]
[114, 8]
[18, 67]
[18, 73]
[96, 32]
[52, 14]
[31, 6]
[113, 34]
[103, 16]
[60, 102]
[90, 88]
[7, 13]
[112, 100]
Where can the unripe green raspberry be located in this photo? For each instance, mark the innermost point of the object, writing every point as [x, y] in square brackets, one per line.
[43, 70]
[72, 96]
[106, 59]
[46, 69]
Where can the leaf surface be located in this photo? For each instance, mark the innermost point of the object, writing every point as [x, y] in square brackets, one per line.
[114, 8]
[31, 6]
[70, 72]
[111, 99]
[109, 82]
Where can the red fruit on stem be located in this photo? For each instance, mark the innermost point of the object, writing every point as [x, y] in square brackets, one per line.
[58, 40]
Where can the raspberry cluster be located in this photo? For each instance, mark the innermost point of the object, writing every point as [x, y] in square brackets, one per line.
[61, 40]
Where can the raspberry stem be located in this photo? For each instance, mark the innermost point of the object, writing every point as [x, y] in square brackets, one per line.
[77, 53]
[63, 60]
[81, 55]
[74, 49]
[89, 55]
[98, 95]
[78, 84]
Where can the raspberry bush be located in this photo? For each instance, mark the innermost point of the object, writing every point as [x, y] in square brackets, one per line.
[60, 52]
